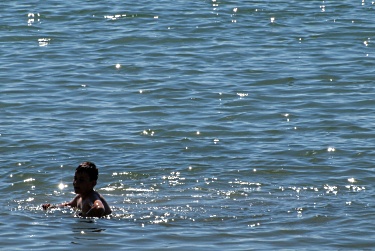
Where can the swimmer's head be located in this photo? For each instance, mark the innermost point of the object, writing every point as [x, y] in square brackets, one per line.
[89, 168]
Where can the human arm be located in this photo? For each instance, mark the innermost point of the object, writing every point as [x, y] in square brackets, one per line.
[97, 210]
[48, 205]
[72, 203]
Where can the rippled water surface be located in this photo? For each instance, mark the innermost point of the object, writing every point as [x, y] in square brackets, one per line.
[217, 125]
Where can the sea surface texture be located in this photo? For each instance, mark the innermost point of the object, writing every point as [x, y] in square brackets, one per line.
[215, 125]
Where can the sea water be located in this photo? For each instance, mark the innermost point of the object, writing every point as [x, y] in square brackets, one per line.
[216, 125]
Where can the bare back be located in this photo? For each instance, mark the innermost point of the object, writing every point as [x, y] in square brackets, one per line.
[86, 204]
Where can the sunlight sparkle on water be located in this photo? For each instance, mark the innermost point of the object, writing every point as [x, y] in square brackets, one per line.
[331, 149]
[242, 95]
[351, 180]
[44, 41]
[62, 186]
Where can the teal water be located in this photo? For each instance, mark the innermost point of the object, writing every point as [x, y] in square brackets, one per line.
[219, 125]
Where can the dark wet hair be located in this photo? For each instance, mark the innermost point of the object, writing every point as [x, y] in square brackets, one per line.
[89, 168]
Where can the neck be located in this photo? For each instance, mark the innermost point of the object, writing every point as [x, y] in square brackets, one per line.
[85, 195]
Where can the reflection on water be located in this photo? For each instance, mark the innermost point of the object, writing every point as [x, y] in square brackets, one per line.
[85, 229]
[214, 124]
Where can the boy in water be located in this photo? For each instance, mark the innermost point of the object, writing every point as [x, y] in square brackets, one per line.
[90, 202]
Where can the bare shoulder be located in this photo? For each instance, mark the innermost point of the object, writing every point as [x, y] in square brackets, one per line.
[74, 202]
[104, 202]
[95, 196]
